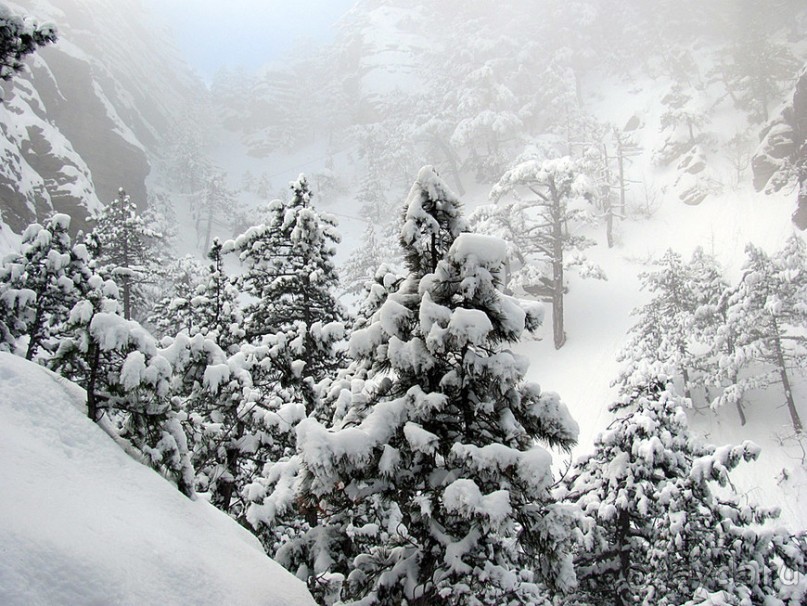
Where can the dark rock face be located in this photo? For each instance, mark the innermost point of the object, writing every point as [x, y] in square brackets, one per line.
[782, 143]
[800, 110]
[89, 113]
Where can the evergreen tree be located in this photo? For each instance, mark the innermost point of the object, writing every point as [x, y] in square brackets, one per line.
[215, 308]
[216, 203]
[432, 488]
[755, 67]
[126, 378]
[174, 313]
[190, 166]
[226, 422]
[290, 274]
[291, 330]
[765, 315]
[684, 118]
[40, 284]
[379, 247]
[20, 36]
[662, 338]
[123, 245]
[657, 529]
[540, 222]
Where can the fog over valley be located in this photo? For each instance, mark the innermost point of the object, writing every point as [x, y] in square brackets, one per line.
[382, 302]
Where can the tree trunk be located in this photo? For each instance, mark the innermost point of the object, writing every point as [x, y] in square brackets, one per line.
[685, 377]
[780, 361]
[558, 331]
[225, 488]
[622, 591]
[126, 285]
[741, 412]
[209, 231]
[607, 207]
[621, 164]
[92, 399]
[34, 332]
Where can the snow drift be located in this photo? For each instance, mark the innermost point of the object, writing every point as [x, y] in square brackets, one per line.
[83, 523]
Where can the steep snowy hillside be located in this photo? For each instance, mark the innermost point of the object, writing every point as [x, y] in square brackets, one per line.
[90, 112]
[83, 523]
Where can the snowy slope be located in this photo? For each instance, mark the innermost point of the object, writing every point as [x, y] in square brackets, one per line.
[83, 523]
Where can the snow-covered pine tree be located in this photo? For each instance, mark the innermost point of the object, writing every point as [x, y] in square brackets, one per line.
[290, 274]
[126, 377]
[663, 335]
[215, 308]
[224, 420]
[123, 246]
[40, 284]
[682, 122]
[378, 247]
[657, 529]
[215, 205]
[173, 313]
[539, 211]
[202, 300]
[757, 65]
[765, 316]
[20, 36]
[188, 160]
[437, 491]
[290, 331]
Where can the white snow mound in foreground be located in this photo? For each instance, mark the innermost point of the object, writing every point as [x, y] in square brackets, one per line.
[83, 523]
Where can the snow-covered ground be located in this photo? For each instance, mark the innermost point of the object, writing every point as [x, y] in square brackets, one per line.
[83, 523]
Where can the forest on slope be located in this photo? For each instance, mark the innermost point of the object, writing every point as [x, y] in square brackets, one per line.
[608, 155]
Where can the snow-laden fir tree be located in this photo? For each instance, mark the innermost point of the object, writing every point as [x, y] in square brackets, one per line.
[762, 343]
[288, 264]
[190, 165]
[289, 273]
[173, 313]
[292, 325]
[223, 418]
[661, 524]
[215, 308]
[663, 335]
[201, 300]
[536, 206]
[126, 377]
[40, 284]
[20, 36]
[437, 490]
[757, 65]
[215, 207]
[683, 121]
[378, 247]
[122, 243]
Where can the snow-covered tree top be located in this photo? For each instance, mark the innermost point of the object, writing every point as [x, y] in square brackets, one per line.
[432, 220]
[484, 250]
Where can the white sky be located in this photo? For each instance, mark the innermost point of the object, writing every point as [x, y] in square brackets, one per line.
[249, 33]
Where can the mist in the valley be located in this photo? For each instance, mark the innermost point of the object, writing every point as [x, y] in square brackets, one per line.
[314, 258]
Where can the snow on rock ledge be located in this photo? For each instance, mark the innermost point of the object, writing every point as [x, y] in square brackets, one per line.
[82, 523]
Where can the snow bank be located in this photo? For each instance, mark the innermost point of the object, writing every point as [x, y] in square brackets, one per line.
[83, 523]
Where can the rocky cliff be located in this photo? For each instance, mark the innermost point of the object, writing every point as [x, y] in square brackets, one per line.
[91, 112]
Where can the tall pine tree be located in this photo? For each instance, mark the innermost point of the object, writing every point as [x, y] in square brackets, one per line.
[123, 244]
[435, 489]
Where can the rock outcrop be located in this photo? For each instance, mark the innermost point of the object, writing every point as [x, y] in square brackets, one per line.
[90, 113]
[781, 147]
